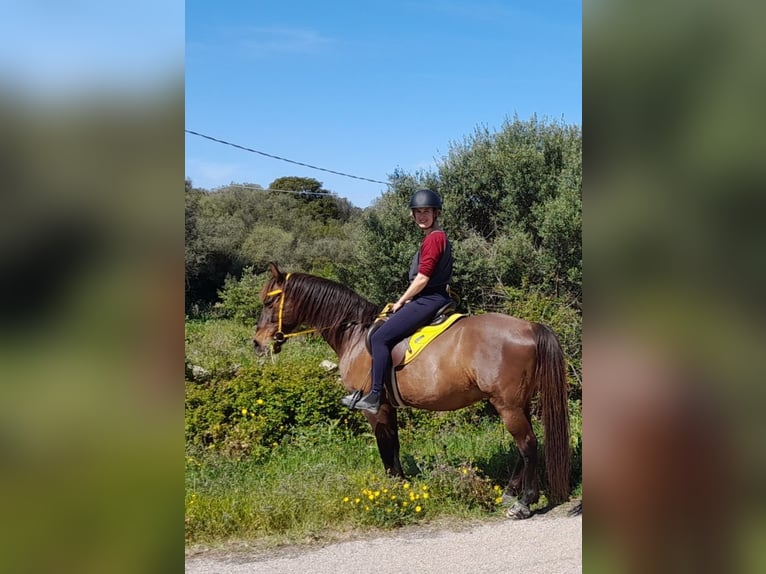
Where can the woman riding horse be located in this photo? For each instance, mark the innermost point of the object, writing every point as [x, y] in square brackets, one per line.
[494, 357]
[430, 272]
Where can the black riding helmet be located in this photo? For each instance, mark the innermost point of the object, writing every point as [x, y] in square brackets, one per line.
[425, 198]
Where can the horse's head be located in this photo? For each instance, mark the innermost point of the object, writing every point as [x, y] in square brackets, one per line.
[272, 296]
[276, 316]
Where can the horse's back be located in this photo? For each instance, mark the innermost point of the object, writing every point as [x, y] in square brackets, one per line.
[469, 362]
[503, 327]
[490, 336]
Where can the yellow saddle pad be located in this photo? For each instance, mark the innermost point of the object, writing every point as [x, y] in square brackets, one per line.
[420, 339]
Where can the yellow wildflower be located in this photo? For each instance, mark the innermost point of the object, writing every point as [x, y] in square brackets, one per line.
[425, 495]
[244, 411]
[499, 500]
[259, 401]
[345, 499]
[424, 487]
[406, 485]
[418, 509]
[357, 500]
[370, 496]
[405, 503]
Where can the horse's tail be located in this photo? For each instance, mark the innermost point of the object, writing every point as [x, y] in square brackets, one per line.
[550, 374]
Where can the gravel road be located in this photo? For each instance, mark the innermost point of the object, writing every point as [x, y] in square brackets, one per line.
[544, 544]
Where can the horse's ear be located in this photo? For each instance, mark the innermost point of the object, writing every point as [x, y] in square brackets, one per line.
[275, 272]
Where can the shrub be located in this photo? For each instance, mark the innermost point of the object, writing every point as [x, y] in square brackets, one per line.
[465, 485]
[262, 404]
[388, 503]
[239, 298]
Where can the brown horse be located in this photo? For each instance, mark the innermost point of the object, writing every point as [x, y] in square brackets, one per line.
[496, 357]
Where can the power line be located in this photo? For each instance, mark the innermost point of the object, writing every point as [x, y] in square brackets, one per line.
[282, 158]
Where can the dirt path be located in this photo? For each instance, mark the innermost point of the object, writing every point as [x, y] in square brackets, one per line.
[544, 544]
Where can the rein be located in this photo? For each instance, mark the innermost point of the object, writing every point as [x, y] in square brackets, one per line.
[279, 336]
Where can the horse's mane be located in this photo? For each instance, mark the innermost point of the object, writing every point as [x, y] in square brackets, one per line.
[328, 305]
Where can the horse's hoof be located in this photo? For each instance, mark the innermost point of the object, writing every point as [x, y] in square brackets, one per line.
[508, 500]
[518, 511]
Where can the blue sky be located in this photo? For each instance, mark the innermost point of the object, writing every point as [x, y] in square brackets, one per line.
[365, 88]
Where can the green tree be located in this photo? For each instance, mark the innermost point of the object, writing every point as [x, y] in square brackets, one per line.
[386, 241]
[512, 210]
[268, 243]
[520, 189]
[193, 249]
[559, 225]
[240, 297]
[304, 187]
[244, 225]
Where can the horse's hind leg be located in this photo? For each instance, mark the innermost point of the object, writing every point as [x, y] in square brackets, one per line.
[515, 484]
[524, 480]
[385, 427]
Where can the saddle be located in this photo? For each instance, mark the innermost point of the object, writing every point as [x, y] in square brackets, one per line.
[398, 352]
[409, 348]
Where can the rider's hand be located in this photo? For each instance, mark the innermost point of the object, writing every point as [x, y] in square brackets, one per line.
[396, 307]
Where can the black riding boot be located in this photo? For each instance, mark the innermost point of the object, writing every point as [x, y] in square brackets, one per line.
[369, 402]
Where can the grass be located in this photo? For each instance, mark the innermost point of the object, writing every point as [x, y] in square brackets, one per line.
[219, 344]
[315, 487]
[325, 481]
[294, 493]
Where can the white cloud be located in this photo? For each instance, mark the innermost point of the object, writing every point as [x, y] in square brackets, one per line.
[270, 41]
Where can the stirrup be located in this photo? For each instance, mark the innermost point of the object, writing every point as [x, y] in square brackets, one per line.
[351, 400]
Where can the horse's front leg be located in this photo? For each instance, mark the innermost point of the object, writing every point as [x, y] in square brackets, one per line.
[386, 430]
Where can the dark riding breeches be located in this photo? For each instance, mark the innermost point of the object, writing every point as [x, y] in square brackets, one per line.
[401, 324]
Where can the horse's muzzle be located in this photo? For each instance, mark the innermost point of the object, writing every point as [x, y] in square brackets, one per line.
[259, 350]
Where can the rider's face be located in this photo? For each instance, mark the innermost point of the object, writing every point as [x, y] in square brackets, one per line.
[424, 217]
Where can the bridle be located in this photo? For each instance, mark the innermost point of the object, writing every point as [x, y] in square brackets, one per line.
[280, 337]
